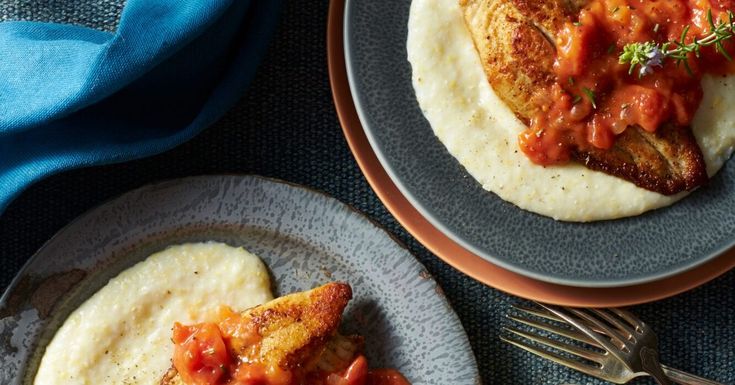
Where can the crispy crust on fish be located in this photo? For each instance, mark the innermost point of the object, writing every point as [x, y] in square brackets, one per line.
[515, 41]
[294, 329]
[516, 55]
[668, 161]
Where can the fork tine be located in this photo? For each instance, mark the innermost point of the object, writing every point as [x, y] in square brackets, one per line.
[571, 334]
[551, 356]
[570, 319]
[554, 317]
[571, 349]
[628, 316]
[536, 312]
[615, 335]
[623, 326]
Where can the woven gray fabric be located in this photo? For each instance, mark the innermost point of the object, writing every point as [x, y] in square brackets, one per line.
[103, 15]
[285, 127]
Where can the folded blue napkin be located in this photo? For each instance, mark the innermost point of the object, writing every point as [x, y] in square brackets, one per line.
[73, 96]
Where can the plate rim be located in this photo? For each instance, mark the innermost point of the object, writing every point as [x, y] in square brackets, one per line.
[456, 237]
[462, 259]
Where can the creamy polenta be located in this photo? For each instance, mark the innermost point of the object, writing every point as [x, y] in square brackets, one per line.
[481, 132]
[122, 334]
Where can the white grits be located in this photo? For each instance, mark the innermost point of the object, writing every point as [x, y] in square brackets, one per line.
[122, 334]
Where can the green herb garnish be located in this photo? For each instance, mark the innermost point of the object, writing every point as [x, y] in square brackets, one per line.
[648, 55]
[590, 95]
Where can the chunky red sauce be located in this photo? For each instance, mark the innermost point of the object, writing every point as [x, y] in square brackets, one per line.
[205, 354]
[212, 354]
[595, 98]
[386, 377]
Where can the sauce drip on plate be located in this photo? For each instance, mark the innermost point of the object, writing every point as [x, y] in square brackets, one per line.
[595, 98]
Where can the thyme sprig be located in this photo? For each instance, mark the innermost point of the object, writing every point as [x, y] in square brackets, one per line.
[649, 54]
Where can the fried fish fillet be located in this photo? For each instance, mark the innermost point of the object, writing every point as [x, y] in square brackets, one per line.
[515, 40]
[299, 332]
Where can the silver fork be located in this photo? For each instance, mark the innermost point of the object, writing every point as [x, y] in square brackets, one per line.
[620, 346]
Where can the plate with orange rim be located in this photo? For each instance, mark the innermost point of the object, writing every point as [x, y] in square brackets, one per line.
[460, 257]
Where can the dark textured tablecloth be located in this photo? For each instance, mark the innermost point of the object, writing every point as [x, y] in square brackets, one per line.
[286, 127]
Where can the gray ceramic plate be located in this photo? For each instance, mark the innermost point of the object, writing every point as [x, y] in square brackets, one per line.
[604, 254]
[305, 238]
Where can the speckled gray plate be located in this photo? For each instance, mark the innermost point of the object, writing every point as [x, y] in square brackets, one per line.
[603, 254]
[305, 238]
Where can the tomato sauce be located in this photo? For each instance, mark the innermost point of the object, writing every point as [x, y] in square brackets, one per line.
[595, 98]
[200, 355]
[215, 353]
[386, 377]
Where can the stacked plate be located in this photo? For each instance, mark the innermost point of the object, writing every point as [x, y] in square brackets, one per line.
[612, 263]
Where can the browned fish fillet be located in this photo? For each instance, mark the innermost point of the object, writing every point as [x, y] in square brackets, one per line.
[515, 41]
[296, 330]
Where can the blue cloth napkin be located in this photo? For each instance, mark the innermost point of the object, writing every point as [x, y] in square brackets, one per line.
[72, 96]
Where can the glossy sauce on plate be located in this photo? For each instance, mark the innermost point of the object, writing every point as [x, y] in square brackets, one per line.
[595, 97]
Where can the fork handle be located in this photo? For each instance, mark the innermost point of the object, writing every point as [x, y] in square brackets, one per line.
[685, 378]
